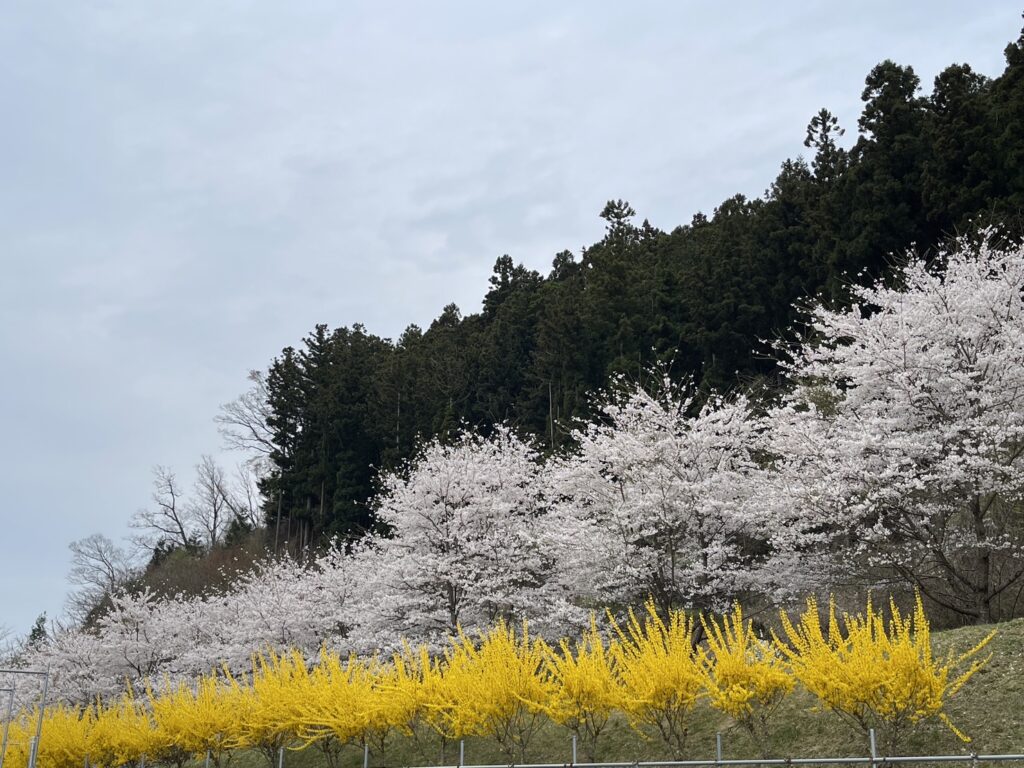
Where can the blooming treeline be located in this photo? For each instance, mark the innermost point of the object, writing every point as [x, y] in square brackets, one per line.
[897, 456]
[280, 605]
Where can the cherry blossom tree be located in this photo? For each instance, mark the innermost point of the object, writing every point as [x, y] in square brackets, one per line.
[902, 447]
[659, 500]
[78, 670]
[141, 634]
[465, 521]
[281, 605]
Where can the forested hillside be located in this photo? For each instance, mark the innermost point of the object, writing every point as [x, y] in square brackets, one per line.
[700, 301]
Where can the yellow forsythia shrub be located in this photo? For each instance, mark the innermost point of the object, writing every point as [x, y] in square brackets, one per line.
[200, 720]
[268, 706]
[19, 735]
[290, 698]
[585, 687]
[121, 734]
[411, 687]
[341, 701]
[65, 742]
[661, 674]
[744, 677]
[875, 673]
[493, 686]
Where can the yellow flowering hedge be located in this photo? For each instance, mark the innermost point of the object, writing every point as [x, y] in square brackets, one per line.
[873, 670]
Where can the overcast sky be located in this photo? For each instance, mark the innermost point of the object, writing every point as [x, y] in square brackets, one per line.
[188, 187]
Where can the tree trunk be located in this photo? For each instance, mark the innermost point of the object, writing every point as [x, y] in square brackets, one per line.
[983, 565]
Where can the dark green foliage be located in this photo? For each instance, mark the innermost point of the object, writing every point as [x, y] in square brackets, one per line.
[327, 437]
[701, 301]
[38, 636]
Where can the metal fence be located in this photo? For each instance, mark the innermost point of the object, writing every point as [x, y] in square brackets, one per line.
[874, 760]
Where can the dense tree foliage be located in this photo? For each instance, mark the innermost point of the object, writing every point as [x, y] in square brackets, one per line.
[903, 443]
[700, 300]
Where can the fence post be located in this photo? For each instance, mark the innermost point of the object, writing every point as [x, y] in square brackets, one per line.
[207, 758]
[874, 749]
[39, 723]
[718, 748]
[574, 749]
[462, 752]
[280, 757]
[7, 723]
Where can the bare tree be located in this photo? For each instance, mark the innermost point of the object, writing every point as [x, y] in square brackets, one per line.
[168, 521]
[211, 504]
[243, 421]
[7, 645]
[98, 568]
[244, 498]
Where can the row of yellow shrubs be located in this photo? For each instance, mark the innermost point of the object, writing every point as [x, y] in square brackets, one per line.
[871, 671]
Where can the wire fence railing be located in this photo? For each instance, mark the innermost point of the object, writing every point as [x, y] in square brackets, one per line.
[872, 759]
[880, 762]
